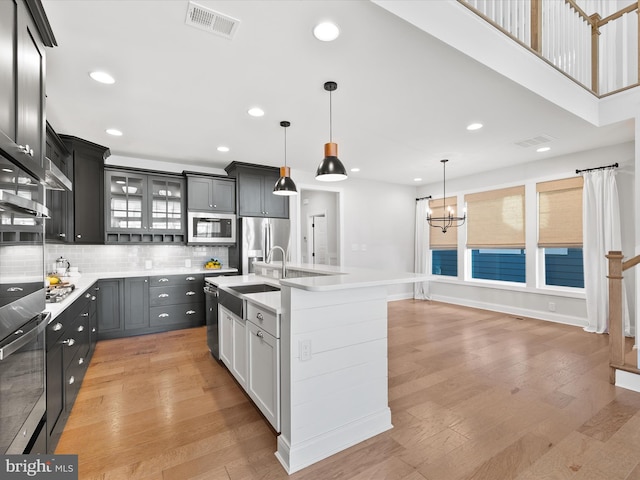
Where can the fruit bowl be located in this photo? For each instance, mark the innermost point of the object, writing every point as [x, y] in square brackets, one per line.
[213, 267]
[213, 264]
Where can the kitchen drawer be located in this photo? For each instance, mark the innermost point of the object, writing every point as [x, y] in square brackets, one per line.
[56, 328]
[170, 280]
[74, 374]
[177, 294]
[263, 318]
[191, 313]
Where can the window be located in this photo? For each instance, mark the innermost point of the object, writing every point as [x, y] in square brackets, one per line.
[560, 232]
[444, 246]
[496, 234]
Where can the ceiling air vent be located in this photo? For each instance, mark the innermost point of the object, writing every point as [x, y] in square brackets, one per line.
[211, 21]
[537, 140]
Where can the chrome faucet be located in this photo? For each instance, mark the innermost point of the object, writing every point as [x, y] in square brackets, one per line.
[284, 259]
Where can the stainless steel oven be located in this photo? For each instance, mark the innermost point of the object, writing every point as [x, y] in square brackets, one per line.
[22, 303]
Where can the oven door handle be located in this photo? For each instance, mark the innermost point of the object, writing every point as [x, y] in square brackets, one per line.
[25, 338]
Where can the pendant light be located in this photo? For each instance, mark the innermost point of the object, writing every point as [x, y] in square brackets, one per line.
[331, 168]
[448, 219]
[284, 185]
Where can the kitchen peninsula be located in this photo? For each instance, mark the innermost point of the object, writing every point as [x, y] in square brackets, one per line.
[333, 371]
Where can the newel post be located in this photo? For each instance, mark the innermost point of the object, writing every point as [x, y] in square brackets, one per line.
[616, 337]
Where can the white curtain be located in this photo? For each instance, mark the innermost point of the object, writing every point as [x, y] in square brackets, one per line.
[601, 234]
[421, 289]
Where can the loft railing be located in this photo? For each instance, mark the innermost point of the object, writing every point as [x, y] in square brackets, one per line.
[598, 51]
[621, 353]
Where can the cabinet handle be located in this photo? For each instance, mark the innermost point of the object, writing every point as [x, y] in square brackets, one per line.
[69, 342]
[14, 289]
[93, 330]
[57, 327]
[84, 314]
[79, 236]
[190, 312]
[163, 280]
[93, 297]
[81, 328]
[190, 279]
[260, 334]
[80, 361]
[96, 288]
[72, 380]
[163, 315]
[190, 293]
[259, 316]
[62, 235]
[26, 149]
[163, 295]
[87, 295]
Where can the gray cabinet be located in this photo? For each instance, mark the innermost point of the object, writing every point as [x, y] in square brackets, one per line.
[176, 301]
[136, 303]
[211, 194]
[24, 31]
[110, 308]
[144, 208]
[254, 191]
[58, 227]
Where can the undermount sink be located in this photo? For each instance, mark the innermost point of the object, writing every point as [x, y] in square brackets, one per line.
[258, 288]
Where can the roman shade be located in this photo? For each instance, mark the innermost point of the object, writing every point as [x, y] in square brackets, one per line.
[495, 219]
[437, 239]
[560, 213]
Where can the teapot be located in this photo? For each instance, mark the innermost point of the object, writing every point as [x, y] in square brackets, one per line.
[62, 263]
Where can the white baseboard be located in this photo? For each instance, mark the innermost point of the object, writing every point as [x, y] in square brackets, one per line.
[308, 452]
[520, 312]
[628, 380]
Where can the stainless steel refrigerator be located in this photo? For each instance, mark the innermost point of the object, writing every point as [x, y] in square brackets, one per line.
[255, 237]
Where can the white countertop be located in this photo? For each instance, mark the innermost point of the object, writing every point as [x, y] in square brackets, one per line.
[267, 300]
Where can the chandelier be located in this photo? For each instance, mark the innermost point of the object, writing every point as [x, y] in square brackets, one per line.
[448, 219]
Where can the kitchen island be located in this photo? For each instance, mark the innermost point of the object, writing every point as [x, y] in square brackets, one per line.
[333, 356]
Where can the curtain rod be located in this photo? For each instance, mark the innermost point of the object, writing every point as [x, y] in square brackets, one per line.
[615, 165]
[423, 198]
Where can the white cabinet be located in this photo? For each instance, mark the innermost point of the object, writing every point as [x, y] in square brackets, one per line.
[263, 379]
[233, 344]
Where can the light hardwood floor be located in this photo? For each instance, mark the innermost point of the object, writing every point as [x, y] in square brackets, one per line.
[473, 394]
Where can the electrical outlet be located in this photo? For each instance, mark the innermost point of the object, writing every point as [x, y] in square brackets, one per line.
[305, 349]
[552, 306]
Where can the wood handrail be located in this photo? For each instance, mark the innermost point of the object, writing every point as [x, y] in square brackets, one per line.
[616, 330]
[581, 12]
[618, 14]
[632, 262]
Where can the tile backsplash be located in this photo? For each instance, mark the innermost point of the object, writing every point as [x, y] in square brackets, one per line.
[123, 258]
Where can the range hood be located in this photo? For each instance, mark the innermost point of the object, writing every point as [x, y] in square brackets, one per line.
[54, 179]
[14, 203]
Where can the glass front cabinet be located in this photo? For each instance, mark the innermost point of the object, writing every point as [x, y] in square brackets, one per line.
[144, 208]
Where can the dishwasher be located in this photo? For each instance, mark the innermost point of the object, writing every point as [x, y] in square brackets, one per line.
[211, 294]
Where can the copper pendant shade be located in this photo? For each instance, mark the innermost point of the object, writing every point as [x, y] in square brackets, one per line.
[285, 185]
[331, 168]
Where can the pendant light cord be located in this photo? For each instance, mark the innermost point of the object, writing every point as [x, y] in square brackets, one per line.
[285, 146]
[330, 118]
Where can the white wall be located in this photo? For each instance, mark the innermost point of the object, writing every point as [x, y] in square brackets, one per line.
[529, 300]
[320, 202]
[377, 228]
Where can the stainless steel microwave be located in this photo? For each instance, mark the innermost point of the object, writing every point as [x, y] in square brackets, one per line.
[208, 228]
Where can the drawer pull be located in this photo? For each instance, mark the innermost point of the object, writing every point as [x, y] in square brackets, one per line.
[93, 297]
[81, 328]
[163, 315]
[97, 288]
[188, 294]
[93, 330]
[80, 361]
[190, 279]
[163, 295]
[259, 316]
[87, 295]
[57, 327]
[84, 314]
[190, 312]
[163, 280]
[260, 334]
[69, 342]
[15, 289]
[72, 380]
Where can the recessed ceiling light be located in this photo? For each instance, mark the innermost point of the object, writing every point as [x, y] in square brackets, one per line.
[326, 31]
[543, 149]
[222, 148]
[255, 112]
[474, 126]
[417, 179]
[114, 132]
[102, 77]
[356, 169]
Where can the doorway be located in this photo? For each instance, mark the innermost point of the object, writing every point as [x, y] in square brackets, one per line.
[319, 226]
